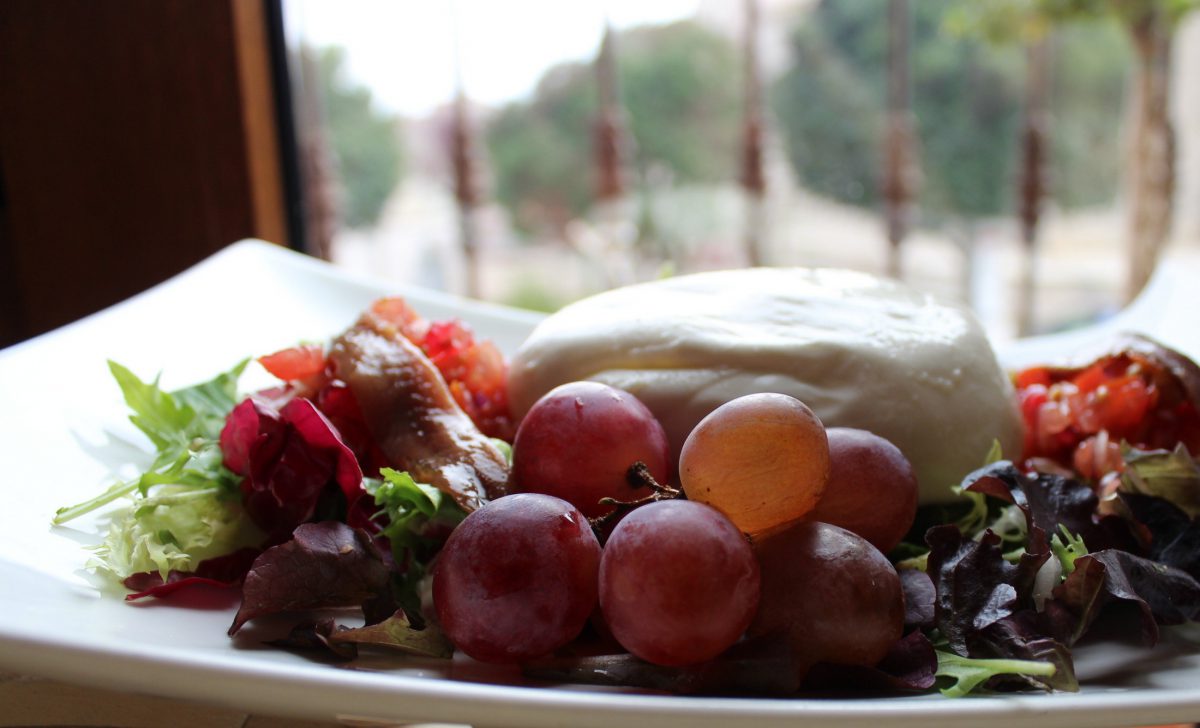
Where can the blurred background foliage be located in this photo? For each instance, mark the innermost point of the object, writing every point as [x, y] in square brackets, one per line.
[365, 141]
[679, 86]
[680, 89]
[967, 99]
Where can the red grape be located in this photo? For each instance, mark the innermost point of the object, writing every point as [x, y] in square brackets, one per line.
[872, 489]
[678, 582]
[830, 593]
[517, 579]
[578, 441]
[761, 459]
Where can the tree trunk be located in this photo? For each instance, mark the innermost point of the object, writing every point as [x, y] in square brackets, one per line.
[753, 177]
[466, 193]
[1031, 191]
[901, 174]
[1152, 156]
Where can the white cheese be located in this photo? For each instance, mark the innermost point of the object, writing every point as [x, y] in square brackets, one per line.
[861, 351]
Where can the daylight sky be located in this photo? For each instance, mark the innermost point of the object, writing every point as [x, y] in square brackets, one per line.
[403, 50]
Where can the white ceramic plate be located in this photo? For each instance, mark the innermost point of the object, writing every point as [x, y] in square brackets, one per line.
[61, 436]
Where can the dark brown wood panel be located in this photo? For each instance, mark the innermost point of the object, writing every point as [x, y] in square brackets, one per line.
[136, 138]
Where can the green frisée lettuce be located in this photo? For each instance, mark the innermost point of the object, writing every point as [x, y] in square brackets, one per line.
[174, 530]
[185, 507]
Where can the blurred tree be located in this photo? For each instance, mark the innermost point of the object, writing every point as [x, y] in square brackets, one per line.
[829, 115]
[1090, 75]
[967, 97]
[831, 103]
[1150, 164]
[365, 142]
[1034, 26]
[540, 153]
[680, 85]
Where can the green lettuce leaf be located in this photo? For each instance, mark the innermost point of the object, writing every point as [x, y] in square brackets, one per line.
[418, 518]
[186, 506]
[411, 508]
[1173, 475]
[969, 674]
[174, 529]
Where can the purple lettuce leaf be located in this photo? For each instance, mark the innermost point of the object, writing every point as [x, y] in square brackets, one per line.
[976, 586]
[1022, 636]
[919, 599]
[317, 637]
[909, 666]
[754, 667]
[1174, 537]
[326, 564]
[1135, 595]
[1050, 501]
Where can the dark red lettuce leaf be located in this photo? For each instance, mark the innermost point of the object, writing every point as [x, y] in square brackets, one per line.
[326, 564]
[1153, 593]
[975, 585]
[1175, 538]
[1077, 603]
[223, 572]
[919, 597]
[317, 637]
[245, 430]
[288, 456]
[327, 638]
[754, 667]
[909, 666]
[319, 434]
[1022, 636]
[1049, 500]
[1171, 595]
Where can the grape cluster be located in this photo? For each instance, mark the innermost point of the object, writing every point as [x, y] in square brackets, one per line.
[776, 530]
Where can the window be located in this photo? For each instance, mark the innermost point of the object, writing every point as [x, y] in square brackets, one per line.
[530, 153]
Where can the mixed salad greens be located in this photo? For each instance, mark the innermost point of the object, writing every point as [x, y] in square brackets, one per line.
[285, 495]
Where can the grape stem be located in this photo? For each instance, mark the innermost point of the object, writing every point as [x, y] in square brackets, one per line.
[638, 476]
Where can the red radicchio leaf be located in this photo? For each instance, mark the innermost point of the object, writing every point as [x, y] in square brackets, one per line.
[327, 564]
[222, 571]
[288, 456]
[337, 403]
[317, 432]
[240, 435]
